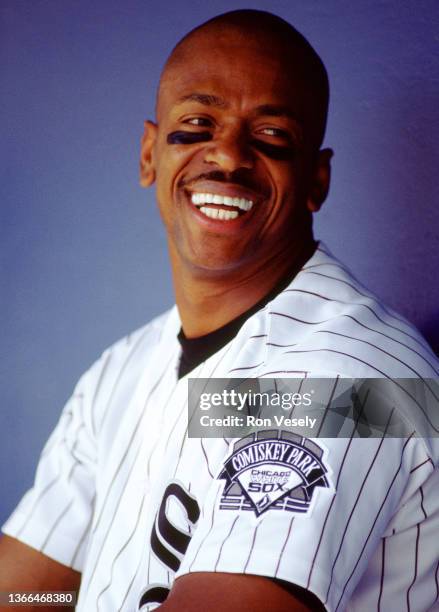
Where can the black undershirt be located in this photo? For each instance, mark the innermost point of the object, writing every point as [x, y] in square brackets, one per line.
[197, 350]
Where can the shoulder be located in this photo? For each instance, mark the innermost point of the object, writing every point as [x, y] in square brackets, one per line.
[140, 341]
[116, 372]
[331, 323]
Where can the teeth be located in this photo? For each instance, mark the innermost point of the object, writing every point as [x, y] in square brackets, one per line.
[216, 213]
[211, 198]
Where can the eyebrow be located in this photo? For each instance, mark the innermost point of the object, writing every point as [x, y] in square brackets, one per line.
[274, 110]
[206, 99]
[271, 110]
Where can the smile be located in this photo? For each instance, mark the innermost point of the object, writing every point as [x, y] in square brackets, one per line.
[240, 205]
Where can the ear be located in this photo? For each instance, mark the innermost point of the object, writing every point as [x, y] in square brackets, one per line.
[320, 180]
[147, 165]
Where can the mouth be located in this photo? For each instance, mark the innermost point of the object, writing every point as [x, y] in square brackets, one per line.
[221, 207]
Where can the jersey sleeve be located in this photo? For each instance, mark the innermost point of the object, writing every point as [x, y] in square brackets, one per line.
[55, 515]
[318, 528]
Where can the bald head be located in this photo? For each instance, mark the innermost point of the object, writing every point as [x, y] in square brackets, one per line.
[277, 39]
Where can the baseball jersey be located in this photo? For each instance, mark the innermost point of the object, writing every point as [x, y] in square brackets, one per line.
[123, 495]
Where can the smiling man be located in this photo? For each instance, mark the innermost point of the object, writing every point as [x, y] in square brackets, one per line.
[140, 514]
[235, 154]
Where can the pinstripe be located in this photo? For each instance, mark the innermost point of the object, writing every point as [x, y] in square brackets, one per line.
[130, 586]
[357, 499]
[211, 375]
[383, 565]
[110, 524]
[84, 534]
[119, 376]
[118, 554]
[58, 444]
[303, 372]
[205, 537]
[421, 464]
[252, 367]
[418, 529]
[224, 541]
[128, 446]
[55, 524]
[407, 346]
[157, 441]
[302, 380]
[328, 405]
[149, 565]
[97, 389]
[332, 300]
[378, 348]
[52, 443]
[287, 316]
[422, 502]
[346, 452]
[330, 264]
[283, 547]
[184, 403]
[135, 431]
[38, 499]
[281, 345]
[395, 382]
[365, 295]
[376, 518]
[251, 548]
[75, 437]
[205, 457]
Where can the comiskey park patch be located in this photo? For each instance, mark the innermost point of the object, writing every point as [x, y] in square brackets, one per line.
[272, 470]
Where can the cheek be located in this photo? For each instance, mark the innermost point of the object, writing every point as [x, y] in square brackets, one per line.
[176, 165]
[285, 178]
[168, 167]
[170, 171]
[275, 152]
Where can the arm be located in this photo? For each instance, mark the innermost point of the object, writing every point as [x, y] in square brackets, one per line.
[237, 593]
[23, 568]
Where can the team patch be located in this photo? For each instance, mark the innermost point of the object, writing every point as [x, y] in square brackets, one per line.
[272, 470]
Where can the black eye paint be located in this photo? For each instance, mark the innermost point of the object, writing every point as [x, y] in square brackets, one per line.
[276, 152]
[186, 138]
[281, 153]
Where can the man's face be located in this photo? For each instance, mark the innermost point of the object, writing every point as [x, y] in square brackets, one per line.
[231, 155]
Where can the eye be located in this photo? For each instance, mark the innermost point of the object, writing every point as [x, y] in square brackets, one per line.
[274, 142]
[275, 132]
[198, 121]
[271, 131]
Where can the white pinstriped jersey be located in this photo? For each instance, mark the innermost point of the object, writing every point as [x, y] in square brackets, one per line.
[124, 496]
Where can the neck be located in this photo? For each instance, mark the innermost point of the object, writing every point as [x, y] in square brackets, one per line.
[206, 302]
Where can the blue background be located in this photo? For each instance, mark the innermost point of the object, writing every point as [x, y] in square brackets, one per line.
[83, 253]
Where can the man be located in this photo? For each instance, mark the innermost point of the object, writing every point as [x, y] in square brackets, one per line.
[129, 506]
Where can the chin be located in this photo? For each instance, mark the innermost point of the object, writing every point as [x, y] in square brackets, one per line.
[214, 264]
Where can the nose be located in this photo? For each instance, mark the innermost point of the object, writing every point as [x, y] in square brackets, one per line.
[229, 151]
